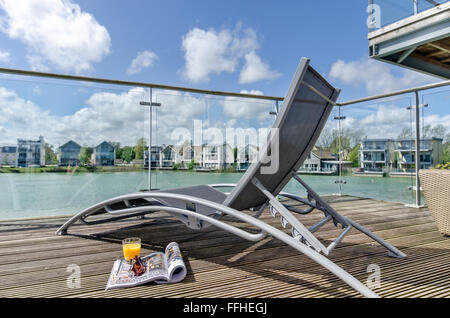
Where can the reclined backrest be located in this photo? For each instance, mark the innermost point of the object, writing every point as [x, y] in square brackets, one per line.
[302, 116]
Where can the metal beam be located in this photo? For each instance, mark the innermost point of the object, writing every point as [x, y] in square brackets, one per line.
[208, 92]
[131, 83]
[406, 54]
[400, 92]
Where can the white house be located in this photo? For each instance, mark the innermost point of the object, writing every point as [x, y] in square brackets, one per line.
[246, 156]
[218, 157]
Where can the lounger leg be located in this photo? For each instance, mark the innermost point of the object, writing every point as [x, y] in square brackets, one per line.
[392, 250]
[324, 206]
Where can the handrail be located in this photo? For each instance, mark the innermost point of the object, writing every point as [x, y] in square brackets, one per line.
[208, 92]
[132, 83]
[395, 93]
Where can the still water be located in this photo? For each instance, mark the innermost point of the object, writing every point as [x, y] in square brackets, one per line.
[48, 194]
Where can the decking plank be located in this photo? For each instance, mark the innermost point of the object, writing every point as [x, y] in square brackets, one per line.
[33, 260]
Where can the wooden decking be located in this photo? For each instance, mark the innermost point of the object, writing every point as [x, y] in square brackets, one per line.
[33, 261]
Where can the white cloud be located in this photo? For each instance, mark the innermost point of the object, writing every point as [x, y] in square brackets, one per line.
[256, 70]
[142, 60]
[247, 108]
[376, 76]
[56, 33]
[213, 52]
[388, 121]
[111, 116]
[4, 56]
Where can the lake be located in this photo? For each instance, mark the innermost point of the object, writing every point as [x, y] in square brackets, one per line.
[50, 194]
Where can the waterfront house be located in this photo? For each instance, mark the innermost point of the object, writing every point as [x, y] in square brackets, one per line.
[188, 153]
[155, 154]
[168, 157]
[104, 154]
[218, 157]
[430, 153]
[320, 160]
[8, 155]
[245, 156]
[376, 154]
[30, 152]
[69, 154]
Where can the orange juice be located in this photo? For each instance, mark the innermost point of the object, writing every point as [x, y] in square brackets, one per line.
[131, 248]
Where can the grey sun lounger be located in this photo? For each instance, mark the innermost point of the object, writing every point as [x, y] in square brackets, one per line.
[305, 110]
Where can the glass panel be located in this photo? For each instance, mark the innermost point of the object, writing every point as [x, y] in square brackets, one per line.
[436, 129]
[375, 164]
[394, 10]
[66, 146]
[206, 140]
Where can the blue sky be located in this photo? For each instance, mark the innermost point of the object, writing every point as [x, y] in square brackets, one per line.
[249, 46]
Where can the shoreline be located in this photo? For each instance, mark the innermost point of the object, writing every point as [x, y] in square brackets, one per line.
[98, 169]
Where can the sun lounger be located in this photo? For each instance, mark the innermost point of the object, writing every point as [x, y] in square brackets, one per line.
[305, 110]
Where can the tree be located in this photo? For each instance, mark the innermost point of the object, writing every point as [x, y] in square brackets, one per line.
[85, 155]
[140, 148]
[127, 154]
[329, 139]
[192, 164]
[437, 131]
[446, 149]
[325, 138]
[405, 133]
[353, 156]
[50, 156]
[119, 153]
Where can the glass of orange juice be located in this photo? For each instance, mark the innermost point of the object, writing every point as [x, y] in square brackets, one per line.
[131, 248]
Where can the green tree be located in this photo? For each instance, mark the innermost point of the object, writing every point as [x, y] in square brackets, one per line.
[50, 155]
[345, 144]
[127, 154]
[446, 149]
[119, 153]
[192, 164]
[353, 156]
[85, 155]
[140, 148]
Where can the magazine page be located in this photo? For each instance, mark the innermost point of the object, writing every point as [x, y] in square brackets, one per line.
[176, 269]
[122, 275]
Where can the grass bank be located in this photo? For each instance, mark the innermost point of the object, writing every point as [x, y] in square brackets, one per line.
[55, 169]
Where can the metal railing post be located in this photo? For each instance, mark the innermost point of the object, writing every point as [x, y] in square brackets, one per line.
[150, 143]
[416, 6]
[417, 149]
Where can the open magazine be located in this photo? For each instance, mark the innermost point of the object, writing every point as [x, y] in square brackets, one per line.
[162, 268]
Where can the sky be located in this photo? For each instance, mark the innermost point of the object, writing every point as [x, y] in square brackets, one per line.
[240, 46]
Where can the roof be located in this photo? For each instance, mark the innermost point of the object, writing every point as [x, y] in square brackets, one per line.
[421, 139]
[70, 142]
[323, 154]
[104, 143]
[8, 149]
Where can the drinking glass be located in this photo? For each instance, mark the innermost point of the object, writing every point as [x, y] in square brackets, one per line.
[131, 248]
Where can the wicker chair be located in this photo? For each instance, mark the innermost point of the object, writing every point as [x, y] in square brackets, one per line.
[436, 188]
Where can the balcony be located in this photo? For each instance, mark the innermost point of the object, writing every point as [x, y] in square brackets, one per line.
[414, 34]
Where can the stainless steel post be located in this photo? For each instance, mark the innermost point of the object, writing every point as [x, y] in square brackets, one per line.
[150, 144]
[417, 149]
